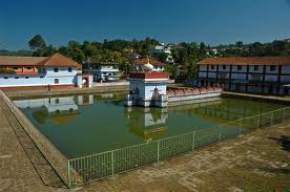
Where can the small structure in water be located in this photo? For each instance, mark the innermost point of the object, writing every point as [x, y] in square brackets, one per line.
[148, 87]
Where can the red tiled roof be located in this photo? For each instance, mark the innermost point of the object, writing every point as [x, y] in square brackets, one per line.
[149, 75]
[144, 61]
[17, 60]
[273, 60]
[54, 60]
[60, 61]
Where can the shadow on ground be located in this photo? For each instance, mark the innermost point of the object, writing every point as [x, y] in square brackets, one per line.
[284, 141]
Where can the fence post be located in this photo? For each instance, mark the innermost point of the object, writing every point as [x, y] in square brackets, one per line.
[158, 151]
[272, 114]
[112, 162]
[69, 183]
[193, 140]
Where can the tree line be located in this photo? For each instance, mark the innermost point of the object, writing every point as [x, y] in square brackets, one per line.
[185, 54]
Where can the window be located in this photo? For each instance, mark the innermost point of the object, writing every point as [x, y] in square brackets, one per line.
[239, 67]
[272, 68]
[16, 77]
[224, 67]
[55, 70]
[56, 81]
[69, 69]
[5, 77]
[26, 77]
[256, 67]
[212, 67]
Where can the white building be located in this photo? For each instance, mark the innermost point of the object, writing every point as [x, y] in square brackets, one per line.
[56, 70]
[147, 89]
[162, 48]
[264, 75]
[103, 71]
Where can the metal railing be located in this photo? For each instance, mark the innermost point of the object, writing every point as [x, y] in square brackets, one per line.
[84, 169]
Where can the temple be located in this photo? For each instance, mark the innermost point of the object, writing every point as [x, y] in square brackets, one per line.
[148, 88]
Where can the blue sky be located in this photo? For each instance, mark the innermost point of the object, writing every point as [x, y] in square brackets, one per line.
[211, 21]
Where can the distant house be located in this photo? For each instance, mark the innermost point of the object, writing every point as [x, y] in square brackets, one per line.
[162, 48]
[138, 64]
[103, 71]
[262, 75]
[56, 70]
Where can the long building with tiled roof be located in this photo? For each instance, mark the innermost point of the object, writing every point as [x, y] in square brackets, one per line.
[56, 70]
[261, 75]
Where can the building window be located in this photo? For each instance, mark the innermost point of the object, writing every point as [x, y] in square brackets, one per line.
[69, 69]
[224, 67]
[55, 70]
[56, 81]
[212, 67]
[5, 77]
[256, 67]
[26, 77]
[272, 68]
[16, 77]
[239, 67]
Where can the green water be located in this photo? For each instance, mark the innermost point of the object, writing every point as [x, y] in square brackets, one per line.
[86, 124]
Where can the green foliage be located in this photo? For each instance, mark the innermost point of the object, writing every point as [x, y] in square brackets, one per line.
[276, 48]
[37, 42]
[6, 71]
[186, 55]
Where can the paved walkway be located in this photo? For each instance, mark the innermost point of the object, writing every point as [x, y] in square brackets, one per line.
[18, 172]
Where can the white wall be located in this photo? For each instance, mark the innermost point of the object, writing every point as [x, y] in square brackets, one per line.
[241, 76]
[235, 68]
[285, 69]
[63, 75]
[260, 68]
[273, 78]
[202, 67]
[202, 74]
[212, 74]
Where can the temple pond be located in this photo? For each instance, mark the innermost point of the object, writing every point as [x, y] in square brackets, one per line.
[79, 125]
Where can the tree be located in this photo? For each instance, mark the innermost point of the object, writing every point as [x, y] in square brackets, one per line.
[37, 42]
[239, 44]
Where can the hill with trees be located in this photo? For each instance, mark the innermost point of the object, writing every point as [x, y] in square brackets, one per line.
[185, 54]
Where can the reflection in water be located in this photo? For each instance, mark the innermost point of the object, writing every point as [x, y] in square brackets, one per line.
[85, 124]
[59, 110]
[151, 125]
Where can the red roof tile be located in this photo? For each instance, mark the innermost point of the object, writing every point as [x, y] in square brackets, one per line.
[273, 60]
[16, 60]
[54, 60]
[60, 61]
